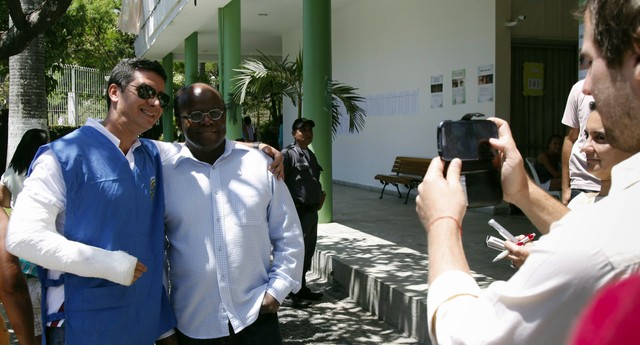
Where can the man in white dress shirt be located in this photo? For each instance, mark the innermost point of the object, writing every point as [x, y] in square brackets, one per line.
[584, 250]
[235, 242]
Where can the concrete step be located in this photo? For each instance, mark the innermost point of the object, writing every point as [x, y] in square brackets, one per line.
[388, 280]
[377, 250]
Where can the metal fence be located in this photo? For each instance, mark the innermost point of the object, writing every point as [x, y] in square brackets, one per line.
[79, 94]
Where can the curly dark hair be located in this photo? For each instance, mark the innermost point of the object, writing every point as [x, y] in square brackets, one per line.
[616, 26]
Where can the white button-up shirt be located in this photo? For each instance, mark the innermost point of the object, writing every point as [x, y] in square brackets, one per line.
[585, 250]
[234, 235]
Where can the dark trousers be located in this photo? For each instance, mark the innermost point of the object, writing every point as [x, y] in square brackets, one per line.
[54, 335]
[264, 331]
[309, 222]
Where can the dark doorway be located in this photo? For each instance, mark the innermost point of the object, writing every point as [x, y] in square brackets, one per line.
[535, 118]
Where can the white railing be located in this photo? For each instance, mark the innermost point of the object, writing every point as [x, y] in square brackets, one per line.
[79, 94]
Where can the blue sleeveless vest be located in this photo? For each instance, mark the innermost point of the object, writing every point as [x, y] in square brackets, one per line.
[115, 208]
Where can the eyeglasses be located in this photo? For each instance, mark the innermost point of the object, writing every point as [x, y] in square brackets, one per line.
[147, 92]
[197, 116]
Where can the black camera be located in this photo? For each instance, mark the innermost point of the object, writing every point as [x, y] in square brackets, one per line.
[468, 140]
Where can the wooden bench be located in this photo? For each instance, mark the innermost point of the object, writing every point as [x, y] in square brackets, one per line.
[407, 171]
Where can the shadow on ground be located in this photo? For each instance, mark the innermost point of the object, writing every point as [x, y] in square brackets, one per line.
[336, 320]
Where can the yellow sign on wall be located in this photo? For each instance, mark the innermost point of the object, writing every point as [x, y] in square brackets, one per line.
[533, 79]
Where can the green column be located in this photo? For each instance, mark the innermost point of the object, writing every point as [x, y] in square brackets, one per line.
[316, 57]
[229, 22]
[167, 114]
[191, 59]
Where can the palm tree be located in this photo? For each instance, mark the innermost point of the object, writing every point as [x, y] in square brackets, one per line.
[268, 79]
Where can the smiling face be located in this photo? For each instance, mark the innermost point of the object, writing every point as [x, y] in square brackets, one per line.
[139, 114]
[616, 91]
[205, 138]
[601, 156]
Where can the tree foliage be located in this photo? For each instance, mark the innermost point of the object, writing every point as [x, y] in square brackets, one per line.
[26, 25]
[269, 79]
[84, 35]
[87, 36]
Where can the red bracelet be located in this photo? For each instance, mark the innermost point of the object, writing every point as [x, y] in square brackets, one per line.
[447, 217]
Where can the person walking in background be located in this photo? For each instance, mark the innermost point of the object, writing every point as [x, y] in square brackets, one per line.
[575, 177]
[248, 131]
[11, 184]
[542, 300]
[235, 242]
[302, 176]
[92, 214]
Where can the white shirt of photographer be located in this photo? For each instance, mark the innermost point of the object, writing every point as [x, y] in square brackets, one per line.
[585, 250]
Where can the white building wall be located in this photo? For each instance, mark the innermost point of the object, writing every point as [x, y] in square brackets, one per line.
[387, 48]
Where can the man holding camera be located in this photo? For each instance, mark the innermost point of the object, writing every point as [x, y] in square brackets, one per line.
[541, 301]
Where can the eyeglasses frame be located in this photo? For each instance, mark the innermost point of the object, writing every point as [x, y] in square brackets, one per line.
[163, 98]
[208, 114]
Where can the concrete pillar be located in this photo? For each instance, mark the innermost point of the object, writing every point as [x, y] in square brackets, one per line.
[167, 114]
[229, 26]
[191, 59]
[317, 97]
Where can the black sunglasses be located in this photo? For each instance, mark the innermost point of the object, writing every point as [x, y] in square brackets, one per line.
[147, 92]
[197, 116]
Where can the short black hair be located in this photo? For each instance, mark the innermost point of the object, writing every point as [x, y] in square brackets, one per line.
[122, 73]
[298, 123]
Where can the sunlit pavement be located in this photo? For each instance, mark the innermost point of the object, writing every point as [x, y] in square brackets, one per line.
[371, 264]
[375, 249]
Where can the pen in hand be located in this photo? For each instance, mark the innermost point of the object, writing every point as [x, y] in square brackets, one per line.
[504, 253]
[503, 232]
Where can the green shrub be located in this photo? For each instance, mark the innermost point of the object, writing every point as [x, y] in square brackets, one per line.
[56, 132]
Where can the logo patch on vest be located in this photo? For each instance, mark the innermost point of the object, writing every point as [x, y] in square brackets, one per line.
[152, 187]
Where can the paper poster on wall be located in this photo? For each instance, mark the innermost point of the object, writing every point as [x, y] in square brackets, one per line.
[485, 84]
[458, 87]
[397, 103]
[533, 79]
[436, 91]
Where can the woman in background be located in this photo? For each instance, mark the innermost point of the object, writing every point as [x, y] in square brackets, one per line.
[11, 184]
[12, 180]
[549, 162]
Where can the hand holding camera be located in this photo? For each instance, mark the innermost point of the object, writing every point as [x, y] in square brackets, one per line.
[468, 140]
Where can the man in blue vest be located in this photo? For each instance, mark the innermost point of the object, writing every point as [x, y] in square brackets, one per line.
[91, 214]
